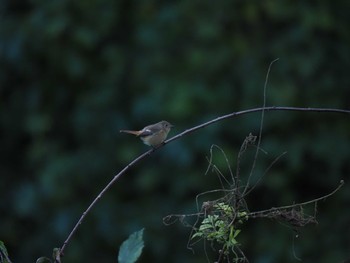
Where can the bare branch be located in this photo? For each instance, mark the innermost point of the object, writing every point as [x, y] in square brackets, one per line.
[115, 178]
[239, 113]
[258, 213]
[185, 133]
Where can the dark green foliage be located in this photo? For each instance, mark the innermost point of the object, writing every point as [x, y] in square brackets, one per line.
[73, 73]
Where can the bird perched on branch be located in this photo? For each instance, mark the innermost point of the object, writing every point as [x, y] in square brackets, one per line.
[154, 134]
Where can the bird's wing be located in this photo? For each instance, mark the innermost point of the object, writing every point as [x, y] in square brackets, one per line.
[146, 132]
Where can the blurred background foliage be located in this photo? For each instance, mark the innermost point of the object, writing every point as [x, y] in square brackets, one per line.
[73, 73]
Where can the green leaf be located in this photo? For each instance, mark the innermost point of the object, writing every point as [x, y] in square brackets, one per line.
[243, 215]
[43, 260]
[205, 227]
[198, 234]
[3, 253]
[236, 233]
[234, 242]
[3, 249]
[131, 248]
[220, 223]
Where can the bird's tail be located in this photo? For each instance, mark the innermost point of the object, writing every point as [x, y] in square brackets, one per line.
[137, 133]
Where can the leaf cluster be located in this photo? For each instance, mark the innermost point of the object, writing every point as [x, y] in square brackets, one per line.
[221, 226]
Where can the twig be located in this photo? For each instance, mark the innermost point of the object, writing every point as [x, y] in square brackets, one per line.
[255, 214]
[187, 132]
[268, 169]
[260, 129]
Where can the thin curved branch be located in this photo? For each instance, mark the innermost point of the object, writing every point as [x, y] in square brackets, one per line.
[184, 133]
[115, 178]
[239, 113]
[255, 214]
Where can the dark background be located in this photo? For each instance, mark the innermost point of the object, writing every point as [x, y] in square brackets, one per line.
[73, 73]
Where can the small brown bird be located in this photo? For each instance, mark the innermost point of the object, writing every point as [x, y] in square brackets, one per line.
[154, 134]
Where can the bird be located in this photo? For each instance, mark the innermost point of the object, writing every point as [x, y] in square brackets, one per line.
[153, 135]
